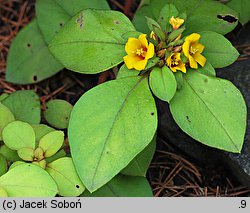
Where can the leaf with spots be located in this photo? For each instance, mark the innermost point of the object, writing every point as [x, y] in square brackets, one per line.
[53, 14]
[124, 114]
[29, 59]
[63, 172]
[92, 41]
[211, 110]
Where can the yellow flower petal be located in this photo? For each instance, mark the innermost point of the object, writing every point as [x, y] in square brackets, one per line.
[182, 67]
[176, 22]
[200, 59]
[140, 65]
[143, 40]
[199, 47]
[130, 61]
[132, 45]
[185, 48]
[192, 62]
[193, 37]
[150, 52]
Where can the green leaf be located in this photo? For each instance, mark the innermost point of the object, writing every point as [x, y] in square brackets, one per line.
[25, 106]
[60, 11]
[57, 113]
[123, 186]
[126, 120]
[29, 59]
[26, 154]
[242, 7]
[60, 154]
[163, 83]
[9, 154]
[51, 142]
[65, 176]
[41, 130]
[179, 79]
[201, 15]
[139, 165]
[134, 34]
[220, 53]
[139, 19]
[92, 42]
[124, 72]
[166, 13]
[3, 193]
[18, 134]
[206, 70]
[211, 110]
[3, 96]
[3, 165]
[27, 180]
[5, 118]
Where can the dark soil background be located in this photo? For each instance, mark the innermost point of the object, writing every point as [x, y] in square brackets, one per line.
[171, 173]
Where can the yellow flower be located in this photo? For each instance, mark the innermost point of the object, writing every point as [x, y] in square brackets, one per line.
[153, 36]
[175, 63]
[192, 49]
[176, 22]
[139, 52]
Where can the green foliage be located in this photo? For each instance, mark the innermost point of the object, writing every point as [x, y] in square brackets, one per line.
[126, 120]
[5, 118]
[29, 59]
[201, 109]
[219, 54]
[53, 14]
[18, 134]
[242, 7]
[123, 186]
[162, 83]
[140, 164]
[202, 15]
[32, 181]
[65, 176]
[51, 143]
[57, 113]
[112, 127]
[3, 165]
[25, 106]
[92, 42]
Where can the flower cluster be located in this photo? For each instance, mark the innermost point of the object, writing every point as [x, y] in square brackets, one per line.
[173, 51]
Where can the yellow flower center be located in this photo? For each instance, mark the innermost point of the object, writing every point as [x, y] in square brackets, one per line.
[140, 52]
[174, 61]
[193, 50]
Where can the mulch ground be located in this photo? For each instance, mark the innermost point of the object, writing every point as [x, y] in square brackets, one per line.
[171, 173]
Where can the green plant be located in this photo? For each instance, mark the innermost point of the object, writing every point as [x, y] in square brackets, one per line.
[169, 53]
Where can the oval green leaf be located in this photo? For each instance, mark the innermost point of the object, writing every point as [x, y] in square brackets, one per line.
[26, 154]
[29, 59]
[32, 181]
[60, 11]
[51, 142]
[124, 72]
[18, 134]
[25, 106]
[211, 110]
[123, 186]
[5, 118]
[92, 42]
[162, 83]
[124, 113]
[57, 113]
[140, 164]
[219, 54]
[65, 176]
